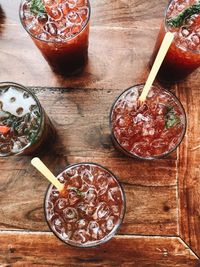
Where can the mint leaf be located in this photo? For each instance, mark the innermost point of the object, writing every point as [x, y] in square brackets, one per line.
[37, 7]
[170, 118]
[187, 13]
[77, 191]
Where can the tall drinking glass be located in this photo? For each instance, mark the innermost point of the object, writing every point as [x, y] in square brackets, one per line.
[183, 57]
[60, 29]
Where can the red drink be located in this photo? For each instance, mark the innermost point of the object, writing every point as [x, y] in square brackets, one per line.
[89, 210]
[150, 130]
[183, 56]
[60, 29]
[24, 125]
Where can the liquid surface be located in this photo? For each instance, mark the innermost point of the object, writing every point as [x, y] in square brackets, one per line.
[90, 209]
[20, 119]
[187, 36]
[149, 130]
[61, 21]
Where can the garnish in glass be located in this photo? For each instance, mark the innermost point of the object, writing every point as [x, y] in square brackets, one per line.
[179, 20]
[37, 7]
[77, 191]
[170, 118]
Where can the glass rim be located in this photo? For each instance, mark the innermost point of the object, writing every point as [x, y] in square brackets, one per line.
[163, 155]
[174, 41]
[54, 41]
[19, 86]
[121, 217]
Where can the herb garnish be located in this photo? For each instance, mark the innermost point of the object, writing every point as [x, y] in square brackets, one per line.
[180, 18]
[25, 125]
[170, 118]
[37, 7]
[77, 191]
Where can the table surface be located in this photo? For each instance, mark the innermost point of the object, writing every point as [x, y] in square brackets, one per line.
[162, 222]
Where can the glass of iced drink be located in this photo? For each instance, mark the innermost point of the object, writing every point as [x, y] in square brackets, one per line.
[89, 210]
[183, 19]
[24, 125]
[148, 130]
[60, 29]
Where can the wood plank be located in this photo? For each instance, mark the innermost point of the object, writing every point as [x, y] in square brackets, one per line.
[189, 170]
[26, 249]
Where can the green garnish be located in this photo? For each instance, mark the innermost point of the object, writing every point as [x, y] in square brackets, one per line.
[37, 7]
[170, 118]
[24, 125]
[187, 13]
[77, 191]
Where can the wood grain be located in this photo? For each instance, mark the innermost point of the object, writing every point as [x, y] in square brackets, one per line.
[189, 171]
[43, 249]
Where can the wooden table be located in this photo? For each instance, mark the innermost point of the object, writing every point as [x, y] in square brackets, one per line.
[162, 222]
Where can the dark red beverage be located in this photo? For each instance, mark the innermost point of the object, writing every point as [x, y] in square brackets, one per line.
[150, 130]
[89, 210]
[183, 19]
[60, 29]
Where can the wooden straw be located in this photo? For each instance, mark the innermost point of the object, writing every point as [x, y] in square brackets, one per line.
[39, 165]
[167, 40]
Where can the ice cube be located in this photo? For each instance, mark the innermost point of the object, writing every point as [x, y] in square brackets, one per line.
[44, 36]
[91, 210]
[93, 227]
[185, 32]
[114, 194]
[51, 28]
[61, 203]
[76, 29]
[83, 13]
[81, 3]
[82, 207]
[65, 235]
[81, 223]
[58, 224]
[195, 39]
[102, 211]
[87, 176]
[70, 214]
[19, 101]
[17, 146]
[110, 223]
[71, 3]
[5, 148]
[73, 197]
[55, 192]
[90, 195]
[102, 184]
[65, 33]
[61, 179]
[115, 209]
[180, 7]
[55, 13]
[80, 236]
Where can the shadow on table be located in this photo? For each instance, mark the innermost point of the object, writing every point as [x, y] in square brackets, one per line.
[2, 19]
